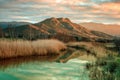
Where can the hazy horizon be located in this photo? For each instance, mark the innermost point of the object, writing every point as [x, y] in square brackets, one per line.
[60, 17]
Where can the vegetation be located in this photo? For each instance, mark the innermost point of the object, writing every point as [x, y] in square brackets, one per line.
[108, 67]
[17, 48]
[91, 48]
[117, 44]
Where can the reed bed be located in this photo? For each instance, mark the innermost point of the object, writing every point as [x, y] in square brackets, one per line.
[96, 49]
[18, 48]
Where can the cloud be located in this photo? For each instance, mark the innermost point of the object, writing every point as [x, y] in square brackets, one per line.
[105, 11]
[111, 7]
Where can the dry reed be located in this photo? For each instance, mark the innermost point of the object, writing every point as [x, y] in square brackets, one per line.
[18, 48]
[92, 48]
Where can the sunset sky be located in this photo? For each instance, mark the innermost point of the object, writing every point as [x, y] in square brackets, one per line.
[102, 11]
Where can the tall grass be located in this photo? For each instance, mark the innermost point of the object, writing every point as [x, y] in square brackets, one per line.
[107, 68]
[95, 49]
[17, 48]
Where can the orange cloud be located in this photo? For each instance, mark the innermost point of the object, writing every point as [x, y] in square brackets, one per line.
[77, 10]
[111, 6]
[108, 7]
[69, 2]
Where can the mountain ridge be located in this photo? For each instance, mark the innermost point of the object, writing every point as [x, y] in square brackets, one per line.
[60, 28]
[12, 24]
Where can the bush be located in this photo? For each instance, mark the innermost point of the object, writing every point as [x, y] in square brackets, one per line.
[117, 44]
[105, 69]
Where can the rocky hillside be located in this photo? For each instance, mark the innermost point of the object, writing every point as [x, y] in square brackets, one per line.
[60, 28]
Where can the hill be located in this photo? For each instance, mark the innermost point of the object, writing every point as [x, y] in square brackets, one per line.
[111, 29]
[12, 24]
[60, 28]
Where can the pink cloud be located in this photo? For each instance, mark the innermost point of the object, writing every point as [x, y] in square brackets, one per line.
[107, 7]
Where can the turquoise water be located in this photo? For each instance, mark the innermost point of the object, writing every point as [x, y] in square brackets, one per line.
[74, 69]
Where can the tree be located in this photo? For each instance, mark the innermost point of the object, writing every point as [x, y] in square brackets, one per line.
[117, 44]
[30, 34]
[64, 37]
[1, 33]
[10, 31]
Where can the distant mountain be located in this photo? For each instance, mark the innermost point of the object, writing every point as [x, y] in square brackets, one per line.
[12, 24]
[60, 28]
[111, 29]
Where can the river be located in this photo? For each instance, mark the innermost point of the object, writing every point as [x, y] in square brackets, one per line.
[74, 69]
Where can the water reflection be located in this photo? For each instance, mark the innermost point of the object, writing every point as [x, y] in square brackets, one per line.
[42, 68]
[14, 62]
[72, 70]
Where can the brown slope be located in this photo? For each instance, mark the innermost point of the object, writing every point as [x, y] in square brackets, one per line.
[64, 25]
[111, 29]
[58, 27]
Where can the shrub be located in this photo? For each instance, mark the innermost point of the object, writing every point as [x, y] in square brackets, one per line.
[105, 69]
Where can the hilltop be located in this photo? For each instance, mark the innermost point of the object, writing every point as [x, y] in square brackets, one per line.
[61, 28]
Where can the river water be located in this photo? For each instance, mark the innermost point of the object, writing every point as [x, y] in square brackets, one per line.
[73, 69]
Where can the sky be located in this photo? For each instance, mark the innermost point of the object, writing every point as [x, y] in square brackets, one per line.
[100, 11]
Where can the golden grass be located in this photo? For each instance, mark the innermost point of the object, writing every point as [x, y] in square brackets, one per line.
[17, 48]
[91, 48]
